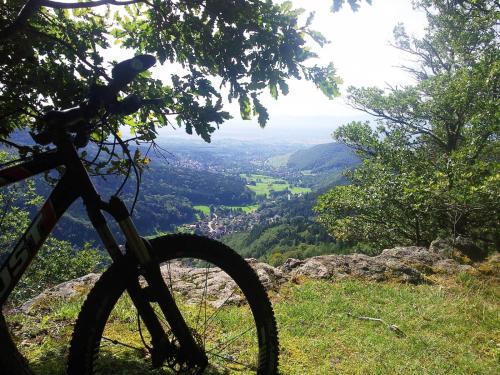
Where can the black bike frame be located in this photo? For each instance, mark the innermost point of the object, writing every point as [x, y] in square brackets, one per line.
[76, 183]
[63, 195]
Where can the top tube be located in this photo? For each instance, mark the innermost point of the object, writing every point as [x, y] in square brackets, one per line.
[40, 163]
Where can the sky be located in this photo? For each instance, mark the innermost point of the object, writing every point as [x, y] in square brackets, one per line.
[360, 50]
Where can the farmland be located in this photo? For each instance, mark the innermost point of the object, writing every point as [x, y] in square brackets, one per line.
[263, 185]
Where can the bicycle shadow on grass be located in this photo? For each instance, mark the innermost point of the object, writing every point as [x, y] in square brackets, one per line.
[55, 365]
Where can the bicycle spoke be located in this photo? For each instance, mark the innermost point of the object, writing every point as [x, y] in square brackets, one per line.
[226, 344]
[170, 280]
[205, 305]
[116, 342]
[203, 298]
[214, 314]
[248, 366]
[161, 317]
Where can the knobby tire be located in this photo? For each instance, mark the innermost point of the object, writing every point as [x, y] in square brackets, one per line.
[88, 333]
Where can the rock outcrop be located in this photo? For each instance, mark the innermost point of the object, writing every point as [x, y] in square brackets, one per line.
[400, 264]
[460, 248]
[403, 264]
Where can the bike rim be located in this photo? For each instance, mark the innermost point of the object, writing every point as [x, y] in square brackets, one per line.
[214, 308]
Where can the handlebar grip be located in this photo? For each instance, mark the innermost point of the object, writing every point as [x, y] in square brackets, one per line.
[124, 72]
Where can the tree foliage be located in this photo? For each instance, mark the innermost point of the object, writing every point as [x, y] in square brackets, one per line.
[354, 4]
[431, 164]
[52, 51]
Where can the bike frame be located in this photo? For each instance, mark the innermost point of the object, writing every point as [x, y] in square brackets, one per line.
[63, 195]
[76, 183]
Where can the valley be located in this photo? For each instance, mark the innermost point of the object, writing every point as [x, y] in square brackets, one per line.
[230, 191]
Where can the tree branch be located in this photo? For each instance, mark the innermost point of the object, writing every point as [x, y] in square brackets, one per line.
[398, 120]
[394, 328]
[20, 148]
[89, 4]
[24, 14]
[32, 6]
[71, 48]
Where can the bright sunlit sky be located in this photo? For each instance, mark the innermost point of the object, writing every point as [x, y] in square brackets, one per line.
[361, 52]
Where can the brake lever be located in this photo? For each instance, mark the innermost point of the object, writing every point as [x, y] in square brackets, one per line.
[130, 104]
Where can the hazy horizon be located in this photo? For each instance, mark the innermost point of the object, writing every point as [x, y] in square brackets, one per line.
[289, 130]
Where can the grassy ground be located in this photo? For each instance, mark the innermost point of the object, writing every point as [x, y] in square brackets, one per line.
[451, 327]
[246, 209]
[203, 209]
[263, 185]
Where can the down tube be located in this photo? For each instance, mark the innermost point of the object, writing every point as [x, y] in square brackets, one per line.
[63, 195]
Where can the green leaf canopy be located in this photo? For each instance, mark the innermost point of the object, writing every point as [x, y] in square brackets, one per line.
[51, 52]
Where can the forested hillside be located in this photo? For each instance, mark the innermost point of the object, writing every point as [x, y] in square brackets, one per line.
[286, 229]
[166, 199]
[328, 157]
[204, 186]
[322, 166]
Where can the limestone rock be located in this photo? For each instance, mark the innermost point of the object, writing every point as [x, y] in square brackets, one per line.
[450, 266]
[442, 247]
[461, 248]
[393, 264]
[68, 289]
[409, 264]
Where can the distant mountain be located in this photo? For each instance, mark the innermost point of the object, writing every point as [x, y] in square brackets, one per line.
[323, 158]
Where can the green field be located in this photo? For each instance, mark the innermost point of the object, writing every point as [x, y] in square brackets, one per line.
[450, 327]
[203, 209]
[299, 190]
[262, 185]
[246, 209]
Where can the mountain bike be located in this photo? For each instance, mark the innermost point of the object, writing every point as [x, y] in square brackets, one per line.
[154, 310]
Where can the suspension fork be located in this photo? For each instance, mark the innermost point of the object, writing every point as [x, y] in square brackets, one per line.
[162, 348]
[140, 250]
[189, 350]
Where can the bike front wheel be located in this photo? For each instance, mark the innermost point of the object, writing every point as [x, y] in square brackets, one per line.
[219, 295]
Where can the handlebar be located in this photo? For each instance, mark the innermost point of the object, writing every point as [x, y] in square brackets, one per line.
[76, 119]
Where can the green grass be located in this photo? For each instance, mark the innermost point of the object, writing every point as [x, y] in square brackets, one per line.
[246, 209]
[265, 184]
[299, 190]
[449, 328]
[206, 209]
[203, 209]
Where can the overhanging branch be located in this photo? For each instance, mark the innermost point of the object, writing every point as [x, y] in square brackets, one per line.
[24, 14]
[32, 6]
[88, 4]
